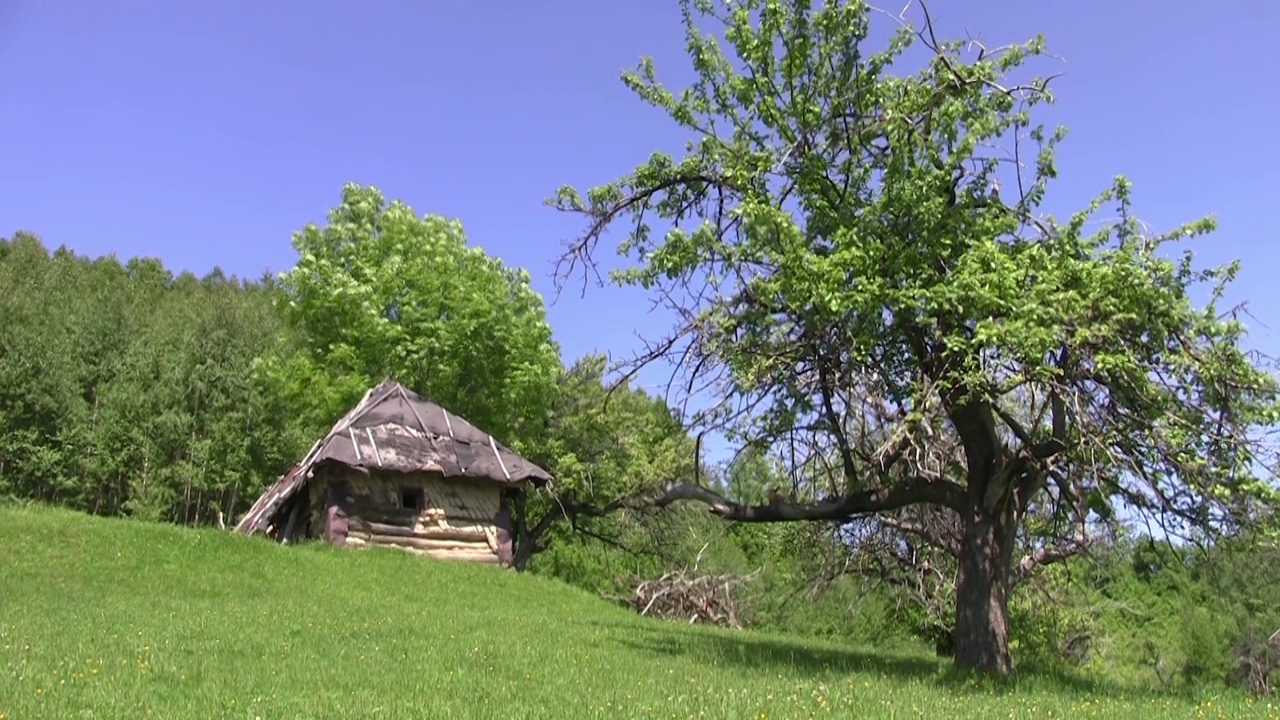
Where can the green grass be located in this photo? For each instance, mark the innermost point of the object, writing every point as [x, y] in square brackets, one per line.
[122, 619]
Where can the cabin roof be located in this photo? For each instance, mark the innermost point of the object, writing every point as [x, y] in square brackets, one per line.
[394, 429]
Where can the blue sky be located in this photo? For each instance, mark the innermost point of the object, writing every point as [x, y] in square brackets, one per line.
[205, 133]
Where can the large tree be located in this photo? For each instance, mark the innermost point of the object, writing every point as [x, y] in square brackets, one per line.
[860, 266]
[381, 291]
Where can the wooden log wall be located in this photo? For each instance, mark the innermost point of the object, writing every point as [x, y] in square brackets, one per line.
[463, 555]
[456, 522]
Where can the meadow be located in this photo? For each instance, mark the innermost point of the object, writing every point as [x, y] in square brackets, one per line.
[111, 618]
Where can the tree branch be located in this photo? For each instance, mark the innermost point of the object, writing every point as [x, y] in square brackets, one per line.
[1049, 554]
[912, 492]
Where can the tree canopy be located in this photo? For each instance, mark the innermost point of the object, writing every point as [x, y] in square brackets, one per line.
[605, 441]
[861, 266]
[380, 291]
[127, 390]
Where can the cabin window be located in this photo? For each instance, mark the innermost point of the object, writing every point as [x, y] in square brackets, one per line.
[412, 498]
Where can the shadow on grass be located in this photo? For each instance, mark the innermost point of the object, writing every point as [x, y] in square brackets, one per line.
[748, 650]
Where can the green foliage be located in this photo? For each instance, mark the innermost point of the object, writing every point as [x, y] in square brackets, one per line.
[897, 242]
[1204, 643]
[608, 555]
[1050, 627]
[608, 439]
[844, 610]
[124, 389]
[1151, 613]
[752, 474]
[294, 385]
[382, 292]
[604, 442]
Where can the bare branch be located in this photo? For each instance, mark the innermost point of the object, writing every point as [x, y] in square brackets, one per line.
[906, 493]
[1049, 554]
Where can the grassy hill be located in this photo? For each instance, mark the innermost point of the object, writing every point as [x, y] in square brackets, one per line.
[121, 619]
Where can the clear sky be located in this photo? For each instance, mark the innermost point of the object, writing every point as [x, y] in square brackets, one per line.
[204, 133]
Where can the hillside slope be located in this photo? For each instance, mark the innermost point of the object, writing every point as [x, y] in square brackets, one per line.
[120, 619]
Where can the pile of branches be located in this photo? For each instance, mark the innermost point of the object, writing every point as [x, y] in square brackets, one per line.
[689, 596]
[692, 598]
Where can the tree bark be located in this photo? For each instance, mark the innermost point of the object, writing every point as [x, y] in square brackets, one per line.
[528, 539]
[982, 590]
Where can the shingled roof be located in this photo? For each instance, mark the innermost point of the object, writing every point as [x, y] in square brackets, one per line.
[394, 429]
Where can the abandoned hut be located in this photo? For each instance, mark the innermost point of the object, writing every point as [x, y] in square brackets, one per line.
[400, 471]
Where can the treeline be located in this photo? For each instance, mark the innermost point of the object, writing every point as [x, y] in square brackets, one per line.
[128, 390]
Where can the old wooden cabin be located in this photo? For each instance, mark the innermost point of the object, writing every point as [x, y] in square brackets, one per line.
[400, 471]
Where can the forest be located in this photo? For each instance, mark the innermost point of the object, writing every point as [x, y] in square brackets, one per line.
[959, 421]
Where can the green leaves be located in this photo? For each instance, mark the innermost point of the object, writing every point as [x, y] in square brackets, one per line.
[126, 390]
[847, 246]
[608, 440]
[382, 292]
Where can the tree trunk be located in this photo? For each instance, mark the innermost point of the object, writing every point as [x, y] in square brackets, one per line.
[524, 541]
[523, 553]
[982, 591]
[529, 539]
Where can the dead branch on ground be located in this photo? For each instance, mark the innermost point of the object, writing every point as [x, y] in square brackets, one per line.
[686, 595]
